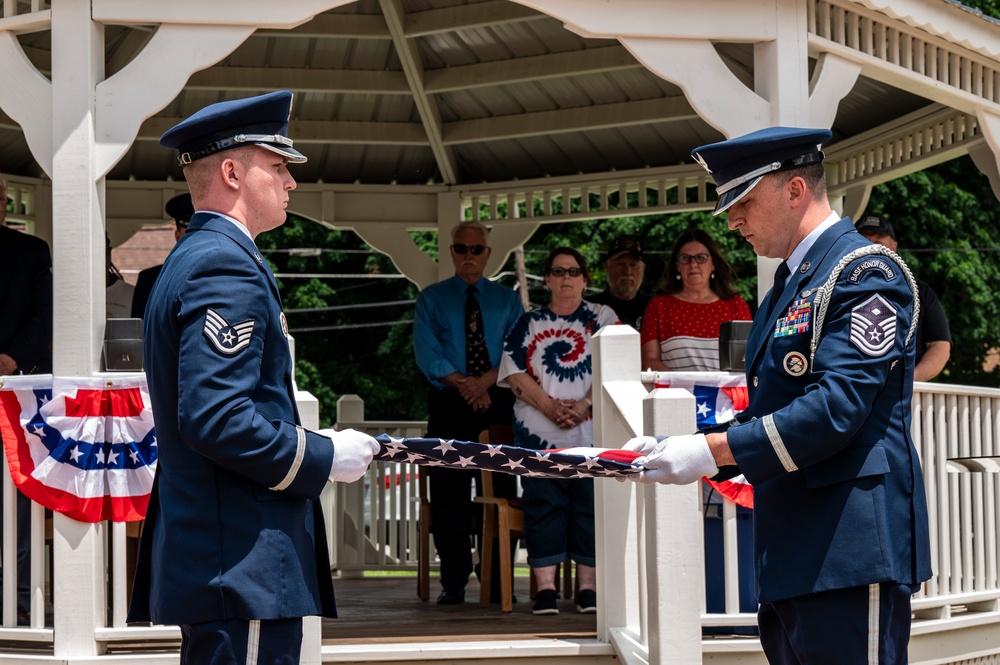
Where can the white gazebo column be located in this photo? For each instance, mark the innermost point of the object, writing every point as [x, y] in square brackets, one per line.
[78, 255]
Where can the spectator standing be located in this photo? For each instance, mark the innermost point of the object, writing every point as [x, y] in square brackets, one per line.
[933, 332]
[25, 348]
[680, 331]
[547, 363]
[626, 268]
[180, 209]
[840, 518]
[234, 548]
[458, 332]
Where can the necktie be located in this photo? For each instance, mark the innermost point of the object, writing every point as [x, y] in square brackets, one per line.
[780, 275]
[477, 358]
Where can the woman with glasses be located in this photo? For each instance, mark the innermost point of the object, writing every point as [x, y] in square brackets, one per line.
[547, 364]
[680, 330]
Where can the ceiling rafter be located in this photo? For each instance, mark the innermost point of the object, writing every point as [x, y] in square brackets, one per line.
[533, 68]
[604, 116]
[430, 114]
[334, 26]
[302, 80]
[467, 17]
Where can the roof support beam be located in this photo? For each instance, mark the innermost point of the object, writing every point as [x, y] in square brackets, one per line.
[320, 131]
[605, 116]
[300, 80]
[430, 115]
[334, 26]
[535, 68]
[467, 17]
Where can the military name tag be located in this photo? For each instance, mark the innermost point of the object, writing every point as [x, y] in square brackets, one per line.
[796, 319]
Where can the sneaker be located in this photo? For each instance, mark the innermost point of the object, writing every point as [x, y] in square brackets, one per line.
[586, 601]
[545, 602]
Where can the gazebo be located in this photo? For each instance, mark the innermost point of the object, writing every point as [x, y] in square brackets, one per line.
[418, 113]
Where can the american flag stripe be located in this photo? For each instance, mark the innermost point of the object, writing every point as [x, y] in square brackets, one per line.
[565, 463]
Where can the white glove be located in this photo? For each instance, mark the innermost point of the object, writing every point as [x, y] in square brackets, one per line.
[641, 444]
[678, 460]
[352, 453]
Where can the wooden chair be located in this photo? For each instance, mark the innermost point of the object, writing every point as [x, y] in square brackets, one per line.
[501, 521]
[504, 521]
[424, 543]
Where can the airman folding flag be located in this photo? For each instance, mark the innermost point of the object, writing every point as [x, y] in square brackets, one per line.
[80, 447]
[719, 397]
[563, 463]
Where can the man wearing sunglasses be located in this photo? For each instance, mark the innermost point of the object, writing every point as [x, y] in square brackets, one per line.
[458, 333]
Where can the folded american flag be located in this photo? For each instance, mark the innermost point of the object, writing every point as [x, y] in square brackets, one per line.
[562, 463]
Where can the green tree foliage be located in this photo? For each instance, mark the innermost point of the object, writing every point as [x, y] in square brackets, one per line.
[945, 219]
[348, 348]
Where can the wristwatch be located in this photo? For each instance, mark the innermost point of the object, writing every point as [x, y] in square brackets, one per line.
[590, 404]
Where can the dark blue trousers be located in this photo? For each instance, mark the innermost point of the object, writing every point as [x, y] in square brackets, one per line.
[242, 642]
[867, 625]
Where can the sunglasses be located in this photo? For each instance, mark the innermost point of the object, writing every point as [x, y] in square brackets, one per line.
[562, 272]
[475, 250]
[685, 259]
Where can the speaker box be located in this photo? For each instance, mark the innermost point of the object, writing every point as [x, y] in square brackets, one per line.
[733, 345]
[123, 345]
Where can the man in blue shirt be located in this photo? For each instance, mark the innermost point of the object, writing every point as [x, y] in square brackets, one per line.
[459, 329]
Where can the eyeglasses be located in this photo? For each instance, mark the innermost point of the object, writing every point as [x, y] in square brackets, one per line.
[475, 250]
[685, 259]
[562, 272]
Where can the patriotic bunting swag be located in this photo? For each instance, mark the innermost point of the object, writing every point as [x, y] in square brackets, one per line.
[719, 397]
[563, 463]
[80, 447]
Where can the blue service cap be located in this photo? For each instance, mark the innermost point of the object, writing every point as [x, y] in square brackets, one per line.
[180, 209]
[261, 120]
[737, 165]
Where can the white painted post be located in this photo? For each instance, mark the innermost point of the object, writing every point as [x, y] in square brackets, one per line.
[617, 397]
[674, 550]
[78, 256]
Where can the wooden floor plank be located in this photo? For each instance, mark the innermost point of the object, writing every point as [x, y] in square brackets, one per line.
[387, 610]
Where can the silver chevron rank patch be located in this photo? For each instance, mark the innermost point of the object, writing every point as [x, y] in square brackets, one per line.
[873, 326]
[229, 339]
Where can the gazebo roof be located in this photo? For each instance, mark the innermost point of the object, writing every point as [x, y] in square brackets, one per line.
[452, 92]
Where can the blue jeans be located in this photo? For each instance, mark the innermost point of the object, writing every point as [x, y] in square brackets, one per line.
[558, 520]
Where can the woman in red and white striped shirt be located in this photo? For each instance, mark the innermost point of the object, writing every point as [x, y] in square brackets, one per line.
[680, 330]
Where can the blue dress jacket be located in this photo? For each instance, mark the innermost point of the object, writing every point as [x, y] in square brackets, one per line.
[234, 527]
[838, 490]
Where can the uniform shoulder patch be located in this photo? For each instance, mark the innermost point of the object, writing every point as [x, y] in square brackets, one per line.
[873, 263]
[873, 326]
[227, 338]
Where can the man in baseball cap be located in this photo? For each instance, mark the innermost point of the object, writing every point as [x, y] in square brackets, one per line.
[625, 267]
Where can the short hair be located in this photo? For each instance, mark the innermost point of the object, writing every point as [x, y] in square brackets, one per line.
[814, 176]
[568, 251]
[199, 173]
[721, 284]
[475, 226]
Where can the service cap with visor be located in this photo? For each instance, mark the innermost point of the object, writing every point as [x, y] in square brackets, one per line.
[260, 121]
[737, 165]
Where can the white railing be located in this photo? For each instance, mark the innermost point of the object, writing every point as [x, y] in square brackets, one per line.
[374, 522]
[650, 539]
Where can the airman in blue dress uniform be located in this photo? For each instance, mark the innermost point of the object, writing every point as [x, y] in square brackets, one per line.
[234, 545]
[840, 519]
